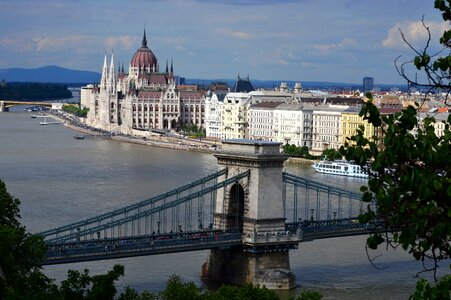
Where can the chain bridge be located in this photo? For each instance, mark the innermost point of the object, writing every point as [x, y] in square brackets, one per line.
[249, 213]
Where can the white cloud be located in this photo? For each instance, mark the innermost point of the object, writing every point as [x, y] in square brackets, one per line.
[414, 32]
[180, 48]
[125, 42]
[8, 42]
[325, 49]
[241, 35]
[79, 43]
[56, 44]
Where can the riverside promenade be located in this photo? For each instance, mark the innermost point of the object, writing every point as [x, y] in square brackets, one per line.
[159, 140]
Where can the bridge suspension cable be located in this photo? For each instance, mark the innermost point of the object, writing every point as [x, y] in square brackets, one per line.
[316, 201]
[168, 212]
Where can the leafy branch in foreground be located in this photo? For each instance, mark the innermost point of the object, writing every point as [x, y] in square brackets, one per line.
[436, 66]
[410, 180]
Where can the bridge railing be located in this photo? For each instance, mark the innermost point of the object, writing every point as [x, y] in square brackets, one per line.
[139, 245]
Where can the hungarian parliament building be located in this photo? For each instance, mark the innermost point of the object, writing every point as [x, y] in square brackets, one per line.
[144, 99]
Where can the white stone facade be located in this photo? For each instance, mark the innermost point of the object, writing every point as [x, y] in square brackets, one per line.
[143, 100]
[327, 128]
[213, 112]
[234, 120]
[293, 125]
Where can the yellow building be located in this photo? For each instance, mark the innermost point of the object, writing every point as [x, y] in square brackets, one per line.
[350, 122]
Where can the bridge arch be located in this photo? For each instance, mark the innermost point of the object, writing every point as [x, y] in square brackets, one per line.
[235, 207]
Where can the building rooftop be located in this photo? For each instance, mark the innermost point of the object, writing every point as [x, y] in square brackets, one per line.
[242, 85]
[266, 105]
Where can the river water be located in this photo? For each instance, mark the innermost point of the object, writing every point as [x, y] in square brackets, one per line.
[59, 180]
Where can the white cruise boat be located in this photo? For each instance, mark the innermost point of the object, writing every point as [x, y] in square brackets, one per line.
[340, 167]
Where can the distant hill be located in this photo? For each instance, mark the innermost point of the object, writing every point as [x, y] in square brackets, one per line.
[52, 74]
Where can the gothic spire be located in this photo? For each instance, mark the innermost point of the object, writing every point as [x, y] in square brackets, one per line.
[167, 70]
[112, 75]
[144, 43]
[104, 79]
[172, 68]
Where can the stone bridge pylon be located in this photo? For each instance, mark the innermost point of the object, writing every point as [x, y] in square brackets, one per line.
[253, 205]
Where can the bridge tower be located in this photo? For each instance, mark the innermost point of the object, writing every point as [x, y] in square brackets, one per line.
[253, 205]
[3, 106]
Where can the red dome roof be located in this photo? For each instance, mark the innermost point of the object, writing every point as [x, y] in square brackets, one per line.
[144, 57]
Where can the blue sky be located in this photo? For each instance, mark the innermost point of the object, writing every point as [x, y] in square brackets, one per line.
[305, 40]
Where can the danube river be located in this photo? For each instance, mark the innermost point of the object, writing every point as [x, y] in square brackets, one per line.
[60, 180]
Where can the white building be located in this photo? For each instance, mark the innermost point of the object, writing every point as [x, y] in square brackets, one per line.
[293, 125]
[213, 108]
[327, 128]
[234, 123]
[234, 119]
[261, 121]
[261, 96]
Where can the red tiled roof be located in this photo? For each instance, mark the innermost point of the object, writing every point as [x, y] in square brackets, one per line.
[148, 94]
[185, 87]
[191, 94]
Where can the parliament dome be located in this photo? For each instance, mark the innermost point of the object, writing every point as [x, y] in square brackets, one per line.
[144, 57]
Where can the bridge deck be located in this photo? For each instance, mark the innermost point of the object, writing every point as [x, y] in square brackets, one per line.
[101, 249]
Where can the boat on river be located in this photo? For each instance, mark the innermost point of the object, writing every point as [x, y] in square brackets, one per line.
[340, 167]
[79, 137]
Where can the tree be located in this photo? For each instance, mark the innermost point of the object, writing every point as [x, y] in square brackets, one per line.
[21, 254]
[332, 154]
[436, 66]
[410, 176]
[20, 260]
[410, 180]
[176, 289]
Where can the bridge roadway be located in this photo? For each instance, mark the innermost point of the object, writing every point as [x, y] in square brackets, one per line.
[111, 248]
[6, 104]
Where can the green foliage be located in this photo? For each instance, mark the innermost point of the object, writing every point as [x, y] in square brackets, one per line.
[193, 131]
[79, 112]
[79, 286]
[411, 166]
[131, 294]
[424, 291]
[295, 151]
[309, 295]
[21, 254]
[176, 289]
[332, 154]
[436, 68]
[246, 292]
[34, 91]
[410, 181]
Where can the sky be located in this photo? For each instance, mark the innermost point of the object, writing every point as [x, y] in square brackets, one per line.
[304, 40]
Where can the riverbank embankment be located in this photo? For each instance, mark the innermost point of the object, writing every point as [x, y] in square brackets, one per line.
[184, 144]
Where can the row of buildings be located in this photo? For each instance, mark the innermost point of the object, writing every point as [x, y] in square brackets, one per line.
[147, 99]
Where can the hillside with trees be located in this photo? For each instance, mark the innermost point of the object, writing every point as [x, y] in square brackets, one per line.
[33, 91]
